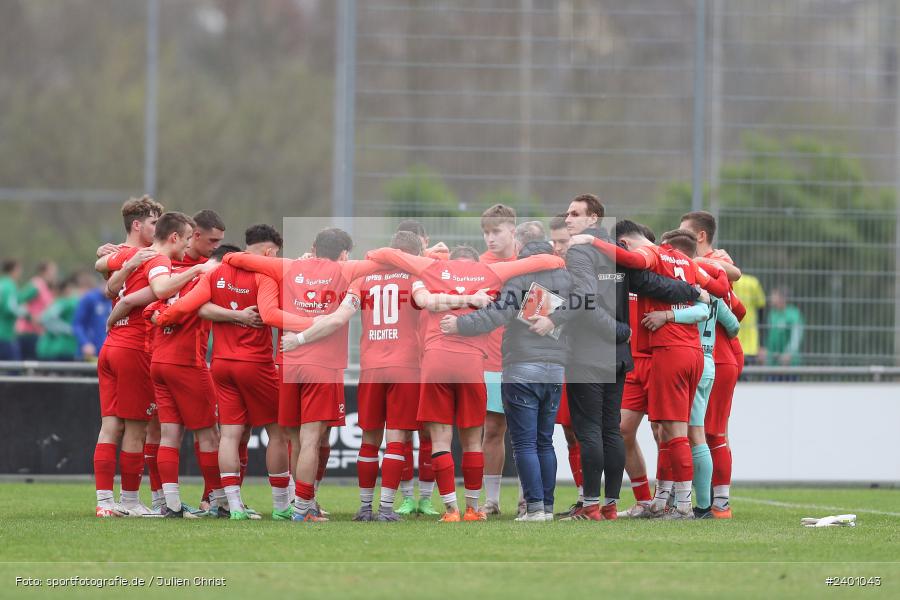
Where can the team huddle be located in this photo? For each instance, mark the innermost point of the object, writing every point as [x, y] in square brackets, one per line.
[635, 329]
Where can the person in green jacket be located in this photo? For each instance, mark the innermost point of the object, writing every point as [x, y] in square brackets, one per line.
[10, 271]
[58, 342]
[784, 331]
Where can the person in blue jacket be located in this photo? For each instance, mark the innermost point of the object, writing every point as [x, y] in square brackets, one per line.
[91, 314]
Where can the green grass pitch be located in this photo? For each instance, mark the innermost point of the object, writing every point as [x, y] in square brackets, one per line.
[47, 530]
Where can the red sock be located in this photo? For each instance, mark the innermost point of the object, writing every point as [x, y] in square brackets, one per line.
[575, 464]
[721, 457]
[279, 482]
[324, 453]
[367, 466]
[664, 464]
[131, 468]
[473, 470]
[444, 473]
[229, 480]
[209, 466]
[682, 462]
[167, 461]
[305, 491]
[408, 468]
[104, 466]
[426, 473]
[641, 488]
[206, 490]
[393, 465]
[150, 452]
[243, 458]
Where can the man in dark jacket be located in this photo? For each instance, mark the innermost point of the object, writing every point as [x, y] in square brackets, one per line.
[600, 355]
[533, 367]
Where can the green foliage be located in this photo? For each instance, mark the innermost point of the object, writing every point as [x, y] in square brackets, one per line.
[421, 192]
[800, 213]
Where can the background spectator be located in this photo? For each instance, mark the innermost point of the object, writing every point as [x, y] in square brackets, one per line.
[784, 331]
[35, 296]
[89, 325]
[751, 293]
[9, 309]
[57, 342]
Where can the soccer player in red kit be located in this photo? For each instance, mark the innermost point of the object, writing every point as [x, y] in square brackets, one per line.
[676, 355]
[243, 368]
[181, 381]
[728, 357]
[123, 369]
[388, 392]
[452, 367]
[498, 224]
[312, 389]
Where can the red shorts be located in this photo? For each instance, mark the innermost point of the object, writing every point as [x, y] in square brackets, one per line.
[453, 389]
[563, 417]
[126, 389]
[719, 408]
[388, 397]
[310, 394]
[637, 381]
[673, 382]
[183, 395]
[247, 392]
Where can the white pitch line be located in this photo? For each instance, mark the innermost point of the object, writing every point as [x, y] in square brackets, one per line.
[815, 506]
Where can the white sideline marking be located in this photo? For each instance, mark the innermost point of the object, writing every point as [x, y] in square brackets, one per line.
[815, 506]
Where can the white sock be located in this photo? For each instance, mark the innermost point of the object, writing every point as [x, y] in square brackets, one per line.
[591, 501]
[387, 499]
[366, 495]
[581, 494]
[173, 496]
[105, 498]
[280, 498]
[292, 487]
[217, 497]
[130, 498]
[472, 497]
[683, 495]
[233, 493]
[156, 496]
[406, 488]
[302, 506]
[492, 488]
[721, 494]
[426, 488]
[608, 501]
[449, 501]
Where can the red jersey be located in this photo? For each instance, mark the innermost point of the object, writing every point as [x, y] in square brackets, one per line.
[461, 278]
[187, 261]
[131, 331]
[494, 360]
[236, 289]
[668, 262]
[634, 321]
[724, 350]
[390, 320]
[182, 344]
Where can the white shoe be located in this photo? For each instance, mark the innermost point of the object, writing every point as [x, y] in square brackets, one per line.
[140, 510]
[679, 515]
[533, 517]
[657, 509]
[638, 511]
[491, 508]
[548, 516]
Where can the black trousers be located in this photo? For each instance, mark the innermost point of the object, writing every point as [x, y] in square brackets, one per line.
[595, 408]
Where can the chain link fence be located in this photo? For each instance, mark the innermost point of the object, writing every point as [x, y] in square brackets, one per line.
[779, 116]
